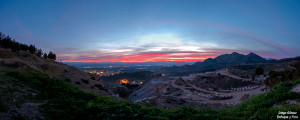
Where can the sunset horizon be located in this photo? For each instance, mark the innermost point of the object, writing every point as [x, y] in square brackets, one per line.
[149, 59]
[154, 31]
[170, 59]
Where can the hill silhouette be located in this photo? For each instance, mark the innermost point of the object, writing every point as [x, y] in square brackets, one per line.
[211, 64]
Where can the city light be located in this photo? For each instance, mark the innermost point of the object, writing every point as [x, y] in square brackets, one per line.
[125, 81]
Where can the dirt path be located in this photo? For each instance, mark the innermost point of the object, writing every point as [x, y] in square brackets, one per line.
[223, 72]
[237, 95]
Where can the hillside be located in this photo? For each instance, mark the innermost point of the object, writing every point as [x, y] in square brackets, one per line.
[22, 60]
[30, 91]
[46, 98]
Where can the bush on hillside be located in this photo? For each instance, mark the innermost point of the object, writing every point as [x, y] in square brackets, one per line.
[259, 71]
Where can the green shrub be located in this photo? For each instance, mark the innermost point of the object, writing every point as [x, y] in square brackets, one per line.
[85, 81]
[3, 107]
[100, 87]
[259, 71]
[78, 83]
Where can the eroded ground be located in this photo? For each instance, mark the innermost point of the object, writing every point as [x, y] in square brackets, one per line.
[213, 89]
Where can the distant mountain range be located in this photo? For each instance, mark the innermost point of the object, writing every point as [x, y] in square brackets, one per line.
[218, 62]
[233, 58]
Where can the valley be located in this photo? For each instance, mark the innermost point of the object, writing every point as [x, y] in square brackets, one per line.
[227, 85]
[202, 89]
[149, 60]
[37, 88]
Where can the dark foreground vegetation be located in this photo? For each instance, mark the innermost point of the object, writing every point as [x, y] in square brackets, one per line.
[64, 101]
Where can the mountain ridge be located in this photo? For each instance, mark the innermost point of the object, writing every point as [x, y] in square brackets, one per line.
[236, 58]
[215, 63]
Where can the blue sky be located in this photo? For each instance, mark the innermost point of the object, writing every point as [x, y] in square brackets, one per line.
[154, 30]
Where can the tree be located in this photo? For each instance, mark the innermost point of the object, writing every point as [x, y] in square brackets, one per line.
[16, 45]
[32, 49]
[52, 55]
[39, 52]
[1, 35]
[45, 55]
[24, 47]
[259, 71]
[6, 42]
[1, 39]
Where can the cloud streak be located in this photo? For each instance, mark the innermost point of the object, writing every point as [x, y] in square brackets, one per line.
[144, 55]
[272, 43]
[171, 47]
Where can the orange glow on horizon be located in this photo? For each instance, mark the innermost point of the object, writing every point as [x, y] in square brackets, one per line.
[163, 57]
[87, 67]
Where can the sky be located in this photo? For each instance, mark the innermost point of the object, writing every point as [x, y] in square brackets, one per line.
[154, 30]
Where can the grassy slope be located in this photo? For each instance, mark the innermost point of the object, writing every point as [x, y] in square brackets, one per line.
[68, 102]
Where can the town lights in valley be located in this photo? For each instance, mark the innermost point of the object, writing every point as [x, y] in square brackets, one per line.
[125, 81]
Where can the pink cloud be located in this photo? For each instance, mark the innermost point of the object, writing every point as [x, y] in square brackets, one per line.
[148, 57]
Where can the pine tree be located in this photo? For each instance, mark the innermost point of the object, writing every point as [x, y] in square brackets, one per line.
[45, 55]
[9, 43]
[52, 55]
[32, 49]
[39, 52]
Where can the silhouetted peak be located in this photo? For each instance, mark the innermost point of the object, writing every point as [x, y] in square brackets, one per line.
[254, 58]
[251, 53]
[235, 53]
[209, 60]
